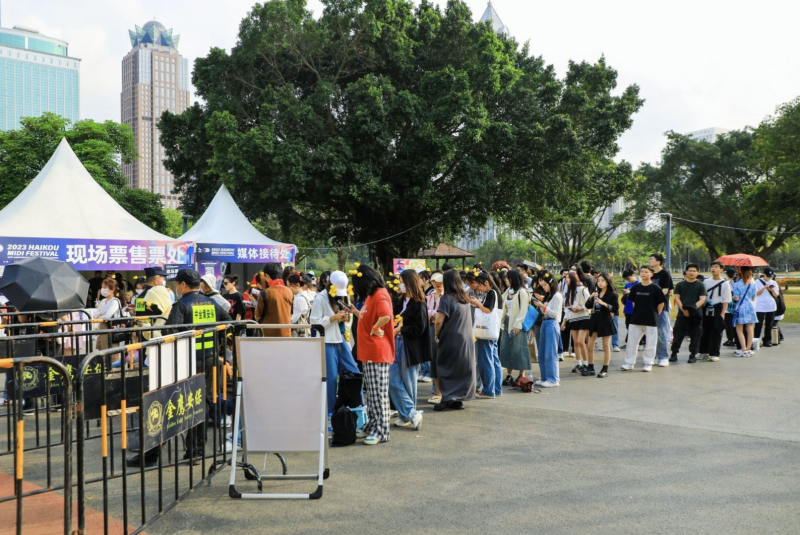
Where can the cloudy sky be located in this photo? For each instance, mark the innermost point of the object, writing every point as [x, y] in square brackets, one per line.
[699, 63]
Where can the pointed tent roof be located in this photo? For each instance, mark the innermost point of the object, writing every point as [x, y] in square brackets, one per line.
[224, 223]
[64, 201]
[490, 15]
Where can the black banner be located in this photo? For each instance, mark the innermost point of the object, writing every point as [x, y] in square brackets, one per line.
[35, 376]
[172, 410]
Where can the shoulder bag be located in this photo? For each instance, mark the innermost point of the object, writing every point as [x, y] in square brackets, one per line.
[487, 324]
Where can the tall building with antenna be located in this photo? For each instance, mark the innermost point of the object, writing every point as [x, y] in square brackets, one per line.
[37, 75]
[155, 78]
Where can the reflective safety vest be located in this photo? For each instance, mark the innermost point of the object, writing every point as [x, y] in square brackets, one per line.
[204, 313]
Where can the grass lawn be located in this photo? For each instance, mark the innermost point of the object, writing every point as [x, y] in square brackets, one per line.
[792, 298]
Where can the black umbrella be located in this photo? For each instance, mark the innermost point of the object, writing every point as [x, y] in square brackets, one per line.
[43, 284]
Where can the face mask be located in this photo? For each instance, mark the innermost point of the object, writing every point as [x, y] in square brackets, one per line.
[164, 282]
[255, 292]
[105, 292]
[402, 288]
[139, 292]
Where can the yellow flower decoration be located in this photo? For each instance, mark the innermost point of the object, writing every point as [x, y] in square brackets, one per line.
[135, 277]
[428, 269]
[333, 291]
[356, 264]
[391, 274]
[359, 274]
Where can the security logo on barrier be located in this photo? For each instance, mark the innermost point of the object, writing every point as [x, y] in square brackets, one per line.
[155, 419]
[30, 378]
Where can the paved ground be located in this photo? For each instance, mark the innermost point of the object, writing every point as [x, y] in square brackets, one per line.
[703, 448]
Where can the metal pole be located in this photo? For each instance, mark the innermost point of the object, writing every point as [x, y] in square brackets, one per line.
[668, 252]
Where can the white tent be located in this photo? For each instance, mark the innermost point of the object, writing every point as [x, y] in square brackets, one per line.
[64, 214]
[64, 201]
[224, 234]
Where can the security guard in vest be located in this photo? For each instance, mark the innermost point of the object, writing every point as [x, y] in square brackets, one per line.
[154, 276]
[194, 308]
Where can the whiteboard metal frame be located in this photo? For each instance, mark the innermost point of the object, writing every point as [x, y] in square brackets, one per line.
[323, 470]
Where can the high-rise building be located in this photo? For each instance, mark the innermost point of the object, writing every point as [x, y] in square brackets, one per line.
[707, 134]
[37, 75]
[155, 78]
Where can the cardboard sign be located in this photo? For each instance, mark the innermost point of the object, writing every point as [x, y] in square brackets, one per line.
[401, 264]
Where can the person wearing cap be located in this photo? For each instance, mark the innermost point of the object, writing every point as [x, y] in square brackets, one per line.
[195, 308]
[767, 291]
[718, 294]
[154, 276]
[208, 285]
[329, 309]
[275, 303]
[690, 296]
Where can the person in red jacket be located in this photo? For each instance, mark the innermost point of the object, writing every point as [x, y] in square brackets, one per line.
[375, 348]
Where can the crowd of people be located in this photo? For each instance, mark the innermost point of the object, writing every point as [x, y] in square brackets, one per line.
[471, 333]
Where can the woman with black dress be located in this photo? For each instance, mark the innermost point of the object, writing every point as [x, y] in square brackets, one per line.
[604, 303]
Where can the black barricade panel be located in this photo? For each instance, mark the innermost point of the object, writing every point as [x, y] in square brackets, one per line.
[92, 391]
[17, 348]
[171, 410]
[35, 377]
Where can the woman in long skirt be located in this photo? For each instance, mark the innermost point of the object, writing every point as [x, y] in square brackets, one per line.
[550, 334]
[514, 353]
[745, 318]
[455, 360]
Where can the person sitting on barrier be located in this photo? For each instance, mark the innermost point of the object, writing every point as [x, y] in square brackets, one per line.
[329, 310]
[194, 308]
[275, 303]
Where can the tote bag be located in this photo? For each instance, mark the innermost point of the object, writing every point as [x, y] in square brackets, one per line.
[487, 325]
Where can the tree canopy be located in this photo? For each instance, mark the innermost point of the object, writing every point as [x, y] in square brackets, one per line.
[101, 147]
[739, 194]
[379, 116]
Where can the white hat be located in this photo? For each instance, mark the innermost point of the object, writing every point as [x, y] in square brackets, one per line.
[210, 280]
[339, 281]
[437, 277]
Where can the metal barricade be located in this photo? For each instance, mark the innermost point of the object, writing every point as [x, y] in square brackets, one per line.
[152, 408]
[22, 374]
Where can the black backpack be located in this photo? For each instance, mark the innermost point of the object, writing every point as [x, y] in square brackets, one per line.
[343, 423]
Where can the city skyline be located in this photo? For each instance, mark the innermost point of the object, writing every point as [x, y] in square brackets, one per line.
[727, 65]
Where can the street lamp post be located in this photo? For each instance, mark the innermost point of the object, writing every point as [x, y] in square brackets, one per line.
[186, 219]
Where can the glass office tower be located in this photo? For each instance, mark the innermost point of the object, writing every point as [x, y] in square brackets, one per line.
[36, 76]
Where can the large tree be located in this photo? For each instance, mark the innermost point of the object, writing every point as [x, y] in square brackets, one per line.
[101, 147]
[738, 195]
[379, 117]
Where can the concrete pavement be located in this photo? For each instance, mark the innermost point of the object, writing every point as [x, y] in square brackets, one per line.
[700, 448]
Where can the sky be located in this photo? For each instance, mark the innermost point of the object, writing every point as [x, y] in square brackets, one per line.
[698, 63]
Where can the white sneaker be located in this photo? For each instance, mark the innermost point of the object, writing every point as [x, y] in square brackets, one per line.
[713, 359]
[564, 354]
[392, 414]
[402, 423]
[750, 353]
[615, 349]
[361, 434]
[416, 422]
[641, 348]
[538, 382]
[663, 363]
[435, 399]
[548, 384]
[561, 357]
[738, 353]
[228, 421]
[424, 379]
[702, 356]
[572, 355]
[647, 368]
[626, 367]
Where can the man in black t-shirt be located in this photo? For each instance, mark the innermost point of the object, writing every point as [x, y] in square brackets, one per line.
[648, 301]
[690, 295]
[663, 279]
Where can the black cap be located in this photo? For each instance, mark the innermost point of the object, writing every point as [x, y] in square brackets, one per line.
[769, 272]
[153, 271]
[189, 276]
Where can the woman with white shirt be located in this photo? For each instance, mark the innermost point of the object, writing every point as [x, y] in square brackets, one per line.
[514, 352]
[550, 310]
[577, 315]
[109, 307]
[766, 292]
[326, 312]
[303, 297]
